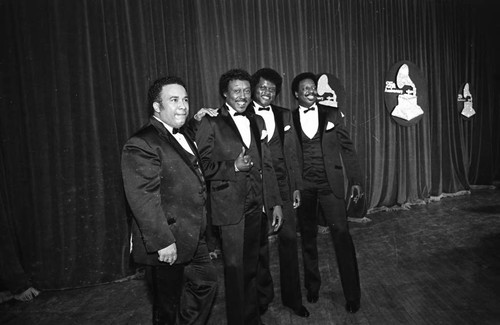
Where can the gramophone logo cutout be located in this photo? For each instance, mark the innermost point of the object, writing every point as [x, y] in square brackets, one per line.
[327, 95]
[465, 104]
[330, 91]
[405, 93]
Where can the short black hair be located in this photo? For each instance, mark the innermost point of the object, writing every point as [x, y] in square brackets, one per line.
[296, 81]
[233, 74]
[267, 74]
[154, 92]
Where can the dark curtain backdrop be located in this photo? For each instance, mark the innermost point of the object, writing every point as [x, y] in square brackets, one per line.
[74, 77]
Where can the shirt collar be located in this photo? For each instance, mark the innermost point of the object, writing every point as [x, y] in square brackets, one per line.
[257, 106]
[313, 106]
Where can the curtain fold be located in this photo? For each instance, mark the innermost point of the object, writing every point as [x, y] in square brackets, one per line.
[74, 78]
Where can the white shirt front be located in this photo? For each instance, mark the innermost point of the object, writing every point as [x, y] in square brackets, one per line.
[243, 125]
[309, 120]
[178, 136]
[268, 117]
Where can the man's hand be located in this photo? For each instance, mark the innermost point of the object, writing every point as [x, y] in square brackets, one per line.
[204, 111]
[244, 162]
[296, 199]
[277, 218]
[168, 254]
[356, 192]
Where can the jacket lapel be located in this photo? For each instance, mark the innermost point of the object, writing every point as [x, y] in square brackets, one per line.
[169, 138]
[322, 121]
[278, 121]
[255, 131]
[297, 126]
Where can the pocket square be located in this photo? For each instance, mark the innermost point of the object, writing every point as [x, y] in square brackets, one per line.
[264, 135]
[287, 127]
[329, 126]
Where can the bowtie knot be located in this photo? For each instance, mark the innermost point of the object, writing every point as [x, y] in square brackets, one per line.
[312, 108]
[175, 130]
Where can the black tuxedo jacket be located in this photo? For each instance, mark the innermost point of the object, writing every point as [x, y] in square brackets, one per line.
[339, 155]
[166, 193]
[284, 125]
[219, 143]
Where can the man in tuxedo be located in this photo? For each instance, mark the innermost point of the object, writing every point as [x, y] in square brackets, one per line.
[266, 85]
[166, 191]
[326, 151]
[237, 162]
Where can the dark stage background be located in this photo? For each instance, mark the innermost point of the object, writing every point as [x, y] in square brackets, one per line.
[74, 77]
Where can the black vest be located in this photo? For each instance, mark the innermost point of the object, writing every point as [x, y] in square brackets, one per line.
[314, 173]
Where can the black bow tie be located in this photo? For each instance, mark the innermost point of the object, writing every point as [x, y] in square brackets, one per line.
[175, 131]
[309, 109]
[264, 108]
[239, 114]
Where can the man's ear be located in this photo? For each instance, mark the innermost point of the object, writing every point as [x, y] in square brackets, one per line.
[156, 107]
[296, 94]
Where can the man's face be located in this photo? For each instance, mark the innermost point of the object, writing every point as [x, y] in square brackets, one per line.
[174, 106]
[306, 94]
[265, 92]
[238, 94]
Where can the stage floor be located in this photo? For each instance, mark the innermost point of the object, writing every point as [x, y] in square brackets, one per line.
[437, 263]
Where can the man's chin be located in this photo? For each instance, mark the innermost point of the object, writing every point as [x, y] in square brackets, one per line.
[180, 123]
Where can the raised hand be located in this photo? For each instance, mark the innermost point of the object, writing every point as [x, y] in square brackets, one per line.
[243, 162]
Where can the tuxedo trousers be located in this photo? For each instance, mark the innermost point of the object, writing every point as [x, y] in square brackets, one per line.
[334, 212]
[291, 295]
[240, 251]
[183, 293]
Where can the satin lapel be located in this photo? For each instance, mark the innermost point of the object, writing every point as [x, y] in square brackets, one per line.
[296, 124]
[198, 158]
[256, 132]
[226, 117]
[278, 121]
[322, 113]
[169, 138]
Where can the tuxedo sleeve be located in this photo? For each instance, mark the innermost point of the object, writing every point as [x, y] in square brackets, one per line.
[213, 166]
[349, 156]
[141, 167]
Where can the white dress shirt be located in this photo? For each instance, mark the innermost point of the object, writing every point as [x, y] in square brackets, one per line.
[243, 125]
[309, 120]
[178, 136]
[268, 117]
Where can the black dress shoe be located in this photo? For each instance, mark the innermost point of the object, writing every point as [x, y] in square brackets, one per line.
[312, 297]
[352, 306]
[302, 312]
[263, 309]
